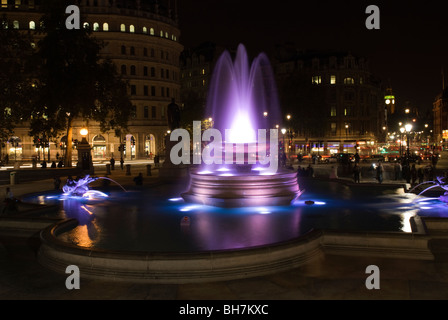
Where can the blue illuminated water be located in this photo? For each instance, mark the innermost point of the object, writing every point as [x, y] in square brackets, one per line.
[152, 220]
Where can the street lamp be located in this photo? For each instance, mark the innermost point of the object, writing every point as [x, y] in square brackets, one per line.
[84, 152]
[284, 153]
[408, 128]
[401, 141]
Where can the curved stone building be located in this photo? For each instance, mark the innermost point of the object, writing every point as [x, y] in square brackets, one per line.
[142, 39]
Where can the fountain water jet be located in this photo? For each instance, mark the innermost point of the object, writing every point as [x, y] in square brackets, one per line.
[243, 99]
[80, 188]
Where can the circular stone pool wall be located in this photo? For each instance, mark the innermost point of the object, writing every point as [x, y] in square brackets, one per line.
[178, 268]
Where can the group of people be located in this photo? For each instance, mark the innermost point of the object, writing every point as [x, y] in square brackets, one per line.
[412, 174]
[112, 163]
[305, 172]
[44, 164]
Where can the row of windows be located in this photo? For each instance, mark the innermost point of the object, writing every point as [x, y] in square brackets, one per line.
[164, 55]
[153, 112]
[349, 111]
[164, 73]
[16, 3]
[165, 92]
[132, 29]
[147, 111]
[347, 80]
[105, 28]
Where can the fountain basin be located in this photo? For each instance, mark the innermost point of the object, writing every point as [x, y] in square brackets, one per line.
[243, 189]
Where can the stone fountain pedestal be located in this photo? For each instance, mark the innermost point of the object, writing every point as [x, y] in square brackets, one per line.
[243, 189]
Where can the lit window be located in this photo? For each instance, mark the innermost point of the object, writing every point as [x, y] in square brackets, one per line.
[145, 30]
[333, 111]
[15, 24]
[347, 111]
[316, 79]
[349, 81]
[32, 25]
[86, 25]
[161, 33]
[105, 26]
[4, 3]
[333, 79]
[122, 28]
[96, 26]
[166, 35]
[131, 29]
[151, 31]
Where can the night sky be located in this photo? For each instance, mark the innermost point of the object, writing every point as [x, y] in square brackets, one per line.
[408, 51]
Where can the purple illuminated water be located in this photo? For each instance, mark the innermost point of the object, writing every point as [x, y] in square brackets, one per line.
[240, 93]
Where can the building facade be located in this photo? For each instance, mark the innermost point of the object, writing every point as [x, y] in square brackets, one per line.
[334, 102]
[142, 39]
[440, 114]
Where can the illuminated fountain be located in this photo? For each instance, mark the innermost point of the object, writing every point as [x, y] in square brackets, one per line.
[242, 102]
[80, 188]
[439, 182]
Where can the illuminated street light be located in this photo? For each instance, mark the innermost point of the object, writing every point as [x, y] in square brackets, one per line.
[401, 141]
[408, 128]
[84, 132]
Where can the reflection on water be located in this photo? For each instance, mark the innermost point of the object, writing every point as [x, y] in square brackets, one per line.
[151, 220]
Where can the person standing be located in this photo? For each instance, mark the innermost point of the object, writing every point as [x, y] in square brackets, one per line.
[112, 163]
[397, 169]
[379, 172]
[357, 157]
[121, 163]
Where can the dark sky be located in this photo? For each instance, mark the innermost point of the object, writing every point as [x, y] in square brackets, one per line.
[409, 50]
